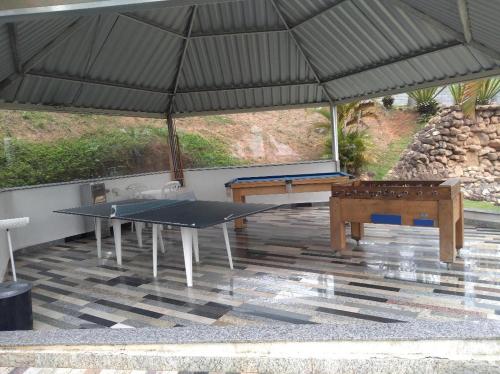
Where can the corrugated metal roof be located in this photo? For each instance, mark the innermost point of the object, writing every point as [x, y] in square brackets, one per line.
[250, 98]
[172, 18]
[485, 22]
[455, 62]
[32, 36]
[445, 11]
[297, 11]
[52, 92]
[243, 60]
[272, 53]
[235, 17]
[362, 33]
[6, 61]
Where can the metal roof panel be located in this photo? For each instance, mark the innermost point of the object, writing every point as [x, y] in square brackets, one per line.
[135, 54]
[458, 61]
[485, 22]
[244, 60]
[248, 98]
[235, 17]
[34, 35]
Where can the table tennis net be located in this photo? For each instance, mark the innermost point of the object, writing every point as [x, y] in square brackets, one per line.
[125, 210]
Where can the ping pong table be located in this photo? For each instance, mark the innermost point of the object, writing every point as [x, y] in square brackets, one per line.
[187, 214]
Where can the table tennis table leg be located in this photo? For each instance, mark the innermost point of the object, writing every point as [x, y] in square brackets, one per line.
[196, 249]
[117, 233]
[138, 232]
[187, 246]
[155, 250]
[160, 238]
[98, 237]
[228, 247]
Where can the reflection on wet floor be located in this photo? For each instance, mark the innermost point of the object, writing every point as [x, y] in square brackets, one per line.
[284, 272]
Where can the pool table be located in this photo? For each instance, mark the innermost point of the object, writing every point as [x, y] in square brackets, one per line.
[282, 184]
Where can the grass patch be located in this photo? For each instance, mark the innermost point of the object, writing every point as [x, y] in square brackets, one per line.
[389, 158]
[104, 152]
[39, 120]
[218, 120]
[482, 205]
[200, 151]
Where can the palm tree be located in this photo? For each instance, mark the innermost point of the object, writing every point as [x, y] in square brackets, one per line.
[470, 94]
[355, 145]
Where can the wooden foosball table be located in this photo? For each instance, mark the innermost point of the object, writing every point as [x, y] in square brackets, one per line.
[410, 203]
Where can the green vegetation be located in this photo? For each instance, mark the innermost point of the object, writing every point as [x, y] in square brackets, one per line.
[457, 91]
[104, 152]
[426, 100]
[218, 120]
[390, 157]
[387, 101]
[355, 145]
[470, 94]
[200, 151]
[482, 205]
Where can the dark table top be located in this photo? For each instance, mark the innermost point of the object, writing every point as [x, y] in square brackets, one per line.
[195, 214]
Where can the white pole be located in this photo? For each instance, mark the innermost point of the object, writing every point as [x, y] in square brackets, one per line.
[335, 140]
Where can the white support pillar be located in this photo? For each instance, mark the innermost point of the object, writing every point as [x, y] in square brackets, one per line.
[335, 140]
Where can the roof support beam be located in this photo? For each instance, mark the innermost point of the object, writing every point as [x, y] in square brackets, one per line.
[45, 51]
[181, 61]
[94, 82]
[236, 88]
[441, 26]
[300, 49]
[99, 46]
[384, 63]
[143, 21]
[240, 33]
[149, 23]
[432, 83]
[324, 11]
[12, 29]
[464, 18]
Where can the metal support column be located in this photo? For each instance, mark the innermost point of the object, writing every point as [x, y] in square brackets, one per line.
[175, 160]
[335, 140]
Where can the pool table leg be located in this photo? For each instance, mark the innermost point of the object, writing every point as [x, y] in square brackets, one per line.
[357, 231]
[337, 225]
[238, 197]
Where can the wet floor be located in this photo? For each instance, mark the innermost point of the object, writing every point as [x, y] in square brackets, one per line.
[284, 272]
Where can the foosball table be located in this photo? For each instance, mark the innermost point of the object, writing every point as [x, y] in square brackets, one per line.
[410, 203]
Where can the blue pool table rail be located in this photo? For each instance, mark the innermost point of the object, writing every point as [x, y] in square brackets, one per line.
[287, 178]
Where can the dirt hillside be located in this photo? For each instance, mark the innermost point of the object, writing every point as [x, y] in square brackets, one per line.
[262, 137]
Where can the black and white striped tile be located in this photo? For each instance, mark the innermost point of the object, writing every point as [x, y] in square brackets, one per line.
[284, 272]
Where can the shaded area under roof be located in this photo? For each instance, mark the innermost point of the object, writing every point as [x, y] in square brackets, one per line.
[197, 56]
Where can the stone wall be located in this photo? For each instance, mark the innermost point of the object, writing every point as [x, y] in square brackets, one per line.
[451, 145]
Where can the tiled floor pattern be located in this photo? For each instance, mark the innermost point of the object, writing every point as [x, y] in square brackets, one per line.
[10, 370]
[284, 273]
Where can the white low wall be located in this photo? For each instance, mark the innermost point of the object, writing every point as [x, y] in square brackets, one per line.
[39, 202]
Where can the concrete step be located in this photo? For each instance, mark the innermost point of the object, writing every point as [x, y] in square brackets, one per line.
[482, 218]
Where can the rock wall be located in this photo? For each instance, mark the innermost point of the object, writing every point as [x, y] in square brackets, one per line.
[451, 145]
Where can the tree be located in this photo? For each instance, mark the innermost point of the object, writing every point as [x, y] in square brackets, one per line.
[355, 146]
